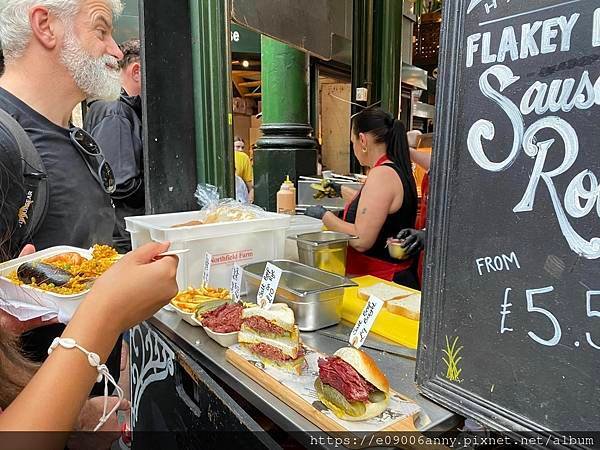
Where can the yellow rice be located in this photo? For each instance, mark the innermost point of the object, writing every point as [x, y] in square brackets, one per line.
[103, 257]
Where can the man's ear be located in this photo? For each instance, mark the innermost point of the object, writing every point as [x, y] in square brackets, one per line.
[136, 71]
[44, 27]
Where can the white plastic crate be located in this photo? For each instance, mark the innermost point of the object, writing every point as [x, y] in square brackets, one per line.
[243, 242]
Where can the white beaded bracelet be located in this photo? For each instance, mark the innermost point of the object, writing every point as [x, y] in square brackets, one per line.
[103, 372]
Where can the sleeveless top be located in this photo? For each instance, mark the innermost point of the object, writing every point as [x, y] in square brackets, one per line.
[403, 218]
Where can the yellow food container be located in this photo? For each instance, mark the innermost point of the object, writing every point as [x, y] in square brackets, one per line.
[394, 327]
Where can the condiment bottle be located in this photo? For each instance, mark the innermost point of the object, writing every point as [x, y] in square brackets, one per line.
[286, 198]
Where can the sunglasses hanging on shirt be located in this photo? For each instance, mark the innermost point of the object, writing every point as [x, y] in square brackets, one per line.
[94, 159]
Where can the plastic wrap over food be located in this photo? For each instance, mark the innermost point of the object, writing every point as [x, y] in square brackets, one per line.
[229, 210]
[215, 210]
[206, 195]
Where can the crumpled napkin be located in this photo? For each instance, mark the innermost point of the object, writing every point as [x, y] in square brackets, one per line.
[25, 310]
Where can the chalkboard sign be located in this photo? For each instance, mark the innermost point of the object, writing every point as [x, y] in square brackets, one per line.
[511, 316]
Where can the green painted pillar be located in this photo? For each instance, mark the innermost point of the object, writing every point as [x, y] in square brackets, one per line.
[377, 52]
[211, 56]
[362, 59]
[390, 51]
[286, 147]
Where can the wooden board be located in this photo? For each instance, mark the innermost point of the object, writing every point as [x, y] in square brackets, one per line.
[335, 126]
[295, 401]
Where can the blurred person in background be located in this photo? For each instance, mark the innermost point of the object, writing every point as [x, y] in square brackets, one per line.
[243, 166]
[117, 128]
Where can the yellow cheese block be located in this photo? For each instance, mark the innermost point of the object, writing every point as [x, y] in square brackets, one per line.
[396, 328]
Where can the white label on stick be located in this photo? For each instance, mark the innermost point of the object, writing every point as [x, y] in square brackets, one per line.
[365, 321]
[206, 272]
[268, 286]
[236, 283]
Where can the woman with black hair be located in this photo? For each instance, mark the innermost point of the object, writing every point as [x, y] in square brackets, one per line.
[386, 204]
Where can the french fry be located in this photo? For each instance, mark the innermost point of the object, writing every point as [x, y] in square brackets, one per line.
[190, 299]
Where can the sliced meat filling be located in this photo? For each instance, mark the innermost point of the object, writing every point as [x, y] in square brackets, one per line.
[270, 352]
[340, 375]
[262, 325]
[225, 319]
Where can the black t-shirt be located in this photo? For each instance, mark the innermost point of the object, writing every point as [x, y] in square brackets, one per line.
[79, 212]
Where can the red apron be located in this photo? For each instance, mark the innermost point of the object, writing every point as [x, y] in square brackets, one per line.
[359, 264]
[422, 221]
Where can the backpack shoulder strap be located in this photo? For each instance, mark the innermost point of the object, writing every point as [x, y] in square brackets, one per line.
[35, 179]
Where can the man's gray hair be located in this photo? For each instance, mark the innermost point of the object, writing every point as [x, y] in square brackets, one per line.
[15, 29]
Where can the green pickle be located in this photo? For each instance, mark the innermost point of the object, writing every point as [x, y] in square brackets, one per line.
[376, 396]
[206, 307]
[336, 402]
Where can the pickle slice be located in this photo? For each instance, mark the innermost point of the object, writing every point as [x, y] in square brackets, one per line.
[377, 396]
[336, 402]
[206, 307]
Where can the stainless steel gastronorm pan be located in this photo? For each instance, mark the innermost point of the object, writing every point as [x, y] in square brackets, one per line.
[314, 295]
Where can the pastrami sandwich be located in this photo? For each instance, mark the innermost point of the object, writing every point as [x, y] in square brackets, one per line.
[271, 334]
[351, 385]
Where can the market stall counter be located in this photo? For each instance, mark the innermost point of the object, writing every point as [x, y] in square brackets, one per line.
[182, 382]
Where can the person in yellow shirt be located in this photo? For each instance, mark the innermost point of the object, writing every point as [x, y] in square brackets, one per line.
[243, 166]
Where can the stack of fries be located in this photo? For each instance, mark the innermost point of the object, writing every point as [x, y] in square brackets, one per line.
[191, 299]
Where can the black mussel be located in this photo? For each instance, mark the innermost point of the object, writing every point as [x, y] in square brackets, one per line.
[42, 273]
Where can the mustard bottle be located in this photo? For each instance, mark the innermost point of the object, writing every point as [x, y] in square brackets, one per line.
[286, 198]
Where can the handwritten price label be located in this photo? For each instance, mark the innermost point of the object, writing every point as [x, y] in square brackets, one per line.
[268, 286]
[365, 321]
[236, 283]
[207, 266]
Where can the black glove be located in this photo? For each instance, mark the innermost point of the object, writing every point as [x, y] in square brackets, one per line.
[336, 187]
[414, 241]
[316, 211]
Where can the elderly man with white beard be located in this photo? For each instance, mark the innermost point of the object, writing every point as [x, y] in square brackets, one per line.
[58, 53]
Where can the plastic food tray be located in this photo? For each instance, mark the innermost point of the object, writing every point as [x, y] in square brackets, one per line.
[187, 317]
[65, 304]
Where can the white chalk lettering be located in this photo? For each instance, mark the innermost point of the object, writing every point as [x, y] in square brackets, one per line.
[472, 47]
[567, 30]
[529, 46]
[596, 32]
[539, 150]
[549, 33]
[511, 259]
[555, 324]
[487, 57]
[498, 263]
[505, 311]
[508, 44]
[486, 130]
[591, 313]
[576, 191]
[560, 96]
[584, 97]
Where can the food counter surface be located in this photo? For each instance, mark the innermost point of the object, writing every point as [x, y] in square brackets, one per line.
[399, 370]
